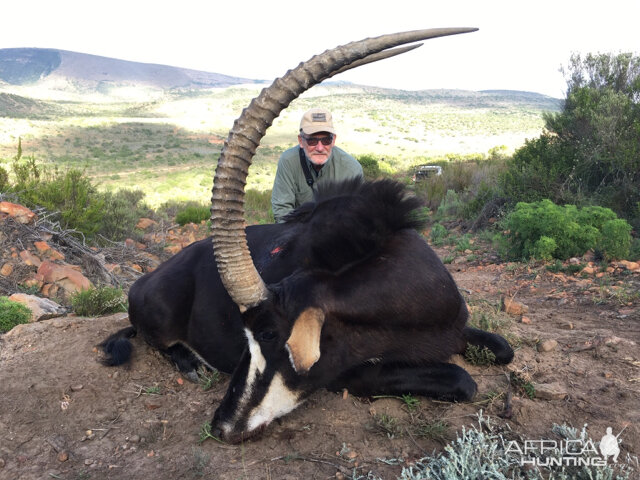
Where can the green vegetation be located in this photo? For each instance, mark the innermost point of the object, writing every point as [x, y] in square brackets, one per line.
[589, 153]
[193, 214]
[99, 301]
[370, 166]
[544, 230]
[74, 199]
[208, 378]
[482, 451]
[12, 314]
[386, 425]
[479, 356]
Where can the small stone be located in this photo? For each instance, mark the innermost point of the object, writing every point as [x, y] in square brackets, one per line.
[607, 374]
[63, 456]
[512, 307]
[76, 388]
[2, 463]
[88, 462]
[547, 346]
[550, 391]
[526, 320]
[6, 270]
[145, 223]
[18, 212]
[134, 439]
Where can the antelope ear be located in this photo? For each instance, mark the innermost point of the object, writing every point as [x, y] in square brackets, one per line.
[304, 342]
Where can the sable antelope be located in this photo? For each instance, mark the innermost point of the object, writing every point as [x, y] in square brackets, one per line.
[344, 294]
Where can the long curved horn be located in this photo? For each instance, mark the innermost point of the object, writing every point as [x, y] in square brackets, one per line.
[238, 274]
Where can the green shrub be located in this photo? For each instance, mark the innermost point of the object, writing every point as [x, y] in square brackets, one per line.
[4, 179]
[533, 228]
[438, 234]
[616, 239]
[69, 193]
[12, 314]
[450, 207]
[193, 214]
[99, 301]
[544, 248]
[122, 210]
[370, 166]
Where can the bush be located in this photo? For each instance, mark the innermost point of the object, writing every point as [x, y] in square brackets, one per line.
[4, 179]
[70, 193]
[438, 234]
[122, 210]
[12, 314]
[99, 301]
[193, 214]
[450, 207]
[545, 230]
[370, 166]
[544, 248]
[616, 239]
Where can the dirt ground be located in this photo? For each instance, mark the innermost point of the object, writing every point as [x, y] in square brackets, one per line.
[63, 415]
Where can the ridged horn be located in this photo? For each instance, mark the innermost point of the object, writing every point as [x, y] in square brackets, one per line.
[238, 274]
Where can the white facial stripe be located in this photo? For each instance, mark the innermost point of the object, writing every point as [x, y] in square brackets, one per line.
[258, 362]
[257, 365]
[278, 401]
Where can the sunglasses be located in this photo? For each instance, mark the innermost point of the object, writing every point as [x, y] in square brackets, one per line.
[313, 141]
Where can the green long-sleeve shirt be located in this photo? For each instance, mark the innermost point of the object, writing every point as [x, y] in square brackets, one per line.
[290, 189]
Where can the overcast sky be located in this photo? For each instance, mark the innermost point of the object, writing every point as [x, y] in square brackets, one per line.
[520, 45]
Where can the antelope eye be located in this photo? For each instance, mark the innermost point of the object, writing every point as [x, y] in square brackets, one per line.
[267, 336]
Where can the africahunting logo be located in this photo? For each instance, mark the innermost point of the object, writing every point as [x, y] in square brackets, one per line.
[567, 452]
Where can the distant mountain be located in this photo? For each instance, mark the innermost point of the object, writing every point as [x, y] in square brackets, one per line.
[23, 66]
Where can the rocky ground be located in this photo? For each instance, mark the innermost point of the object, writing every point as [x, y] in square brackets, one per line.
[64, 415]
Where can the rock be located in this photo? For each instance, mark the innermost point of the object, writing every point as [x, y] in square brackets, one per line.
[65, 276]
[525, 320]
[550, 391]
[631, 266]
[512, 307]
[113, 268]
[6, 270]
[18, 212]
[41, 308]
[145, 223]
[589, 270]
[547, 346]
[50, 290]
[574, 261]
[44, 249]
[30, 259]
[173, 249]
[63, 457]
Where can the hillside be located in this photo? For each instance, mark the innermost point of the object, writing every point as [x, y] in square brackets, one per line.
[160, 129]
[23, 66]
